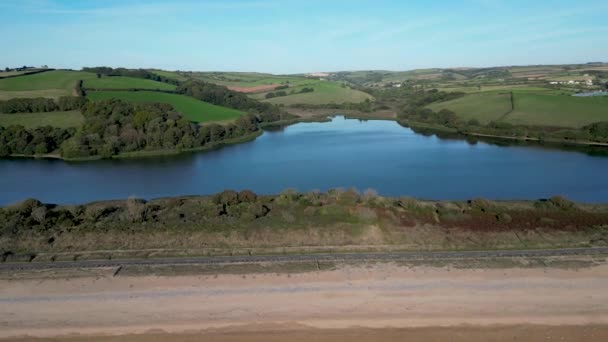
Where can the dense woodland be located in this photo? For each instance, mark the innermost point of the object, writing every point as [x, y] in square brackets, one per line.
[114, 126]
[41, 104]
[16, 140]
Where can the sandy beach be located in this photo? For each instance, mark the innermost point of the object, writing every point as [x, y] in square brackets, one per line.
[365, 302]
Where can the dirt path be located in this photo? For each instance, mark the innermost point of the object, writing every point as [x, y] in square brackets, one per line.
[370, 296]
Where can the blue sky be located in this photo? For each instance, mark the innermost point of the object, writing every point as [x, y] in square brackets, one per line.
[284, 36]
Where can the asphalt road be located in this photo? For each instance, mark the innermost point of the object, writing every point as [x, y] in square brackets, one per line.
[353, 257]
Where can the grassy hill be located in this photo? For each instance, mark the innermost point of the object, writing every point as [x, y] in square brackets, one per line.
[246, 79]
[324, 92]
[557, 110]
[32, 120]
[194, 110]
[541, 108]
[47, 84]
[169, 74]
[483, 107]
[121, 82]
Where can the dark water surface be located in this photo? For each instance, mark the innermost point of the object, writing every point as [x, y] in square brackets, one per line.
[343, 153]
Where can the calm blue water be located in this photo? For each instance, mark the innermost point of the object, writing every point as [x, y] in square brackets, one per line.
[343, 153]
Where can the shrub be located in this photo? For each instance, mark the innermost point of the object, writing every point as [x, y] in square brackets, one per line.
[136, 209]
[247, 196]
[480, 204]
[227, 197]
[561, 203]
[258, 210]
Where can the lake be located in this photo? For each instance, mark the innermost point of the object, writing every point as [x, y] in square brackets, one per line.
[376, 154]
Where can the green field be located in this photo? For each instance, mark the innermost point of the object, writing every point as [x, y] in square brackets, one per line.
[499, 87]
[558, 110]
[192, 109]
[483, 107]
[120, 82]
[4, 74]
[169, 74]
[47, 84]
[531, 108]
[246, 79]
[33, 120]
[57, 79]
[325, 92]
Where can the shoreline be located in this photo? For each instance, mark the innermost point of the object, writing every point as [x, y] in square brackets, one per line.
[324, 115]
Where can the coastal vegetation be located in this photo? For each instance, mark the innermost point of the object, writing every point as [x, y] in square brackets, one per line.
[230, 220]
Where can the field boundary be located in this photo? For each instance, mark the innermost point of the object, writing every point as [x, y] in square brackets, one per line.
[27, 73]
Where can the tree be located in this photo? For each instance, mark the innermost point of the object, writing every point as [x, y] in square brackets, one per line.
[7, 69]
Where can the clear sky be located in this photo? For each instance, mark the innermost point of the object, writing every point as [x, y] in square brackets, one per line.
[285, 36]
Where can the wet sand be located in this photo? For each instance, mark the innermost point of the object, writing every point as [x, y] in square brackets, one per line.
[362, 303]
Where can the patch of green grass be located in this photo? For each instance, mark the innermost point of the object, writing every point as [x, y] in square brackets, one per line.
[498, 87]
[236, 79]
[192, 109]
[558, 110]
[484, 107]
[32, 120]
[120, 82]
[48, 93]
[324, 92]
[57, 79]
[4, 74]
[51, 84]
[535, 108]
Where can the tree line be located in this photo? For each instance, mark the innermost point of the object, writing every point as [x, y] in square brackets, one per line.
[137, 73]
[284, 93]
[364, 106]
[41, 104]
[222, 96]
[17, 140]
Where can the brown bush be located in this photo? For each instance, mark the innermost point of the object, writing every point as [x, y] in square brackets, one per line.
[39, 214]
[227, 197]
[561, 203]
[247, 196]
[136, 209]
